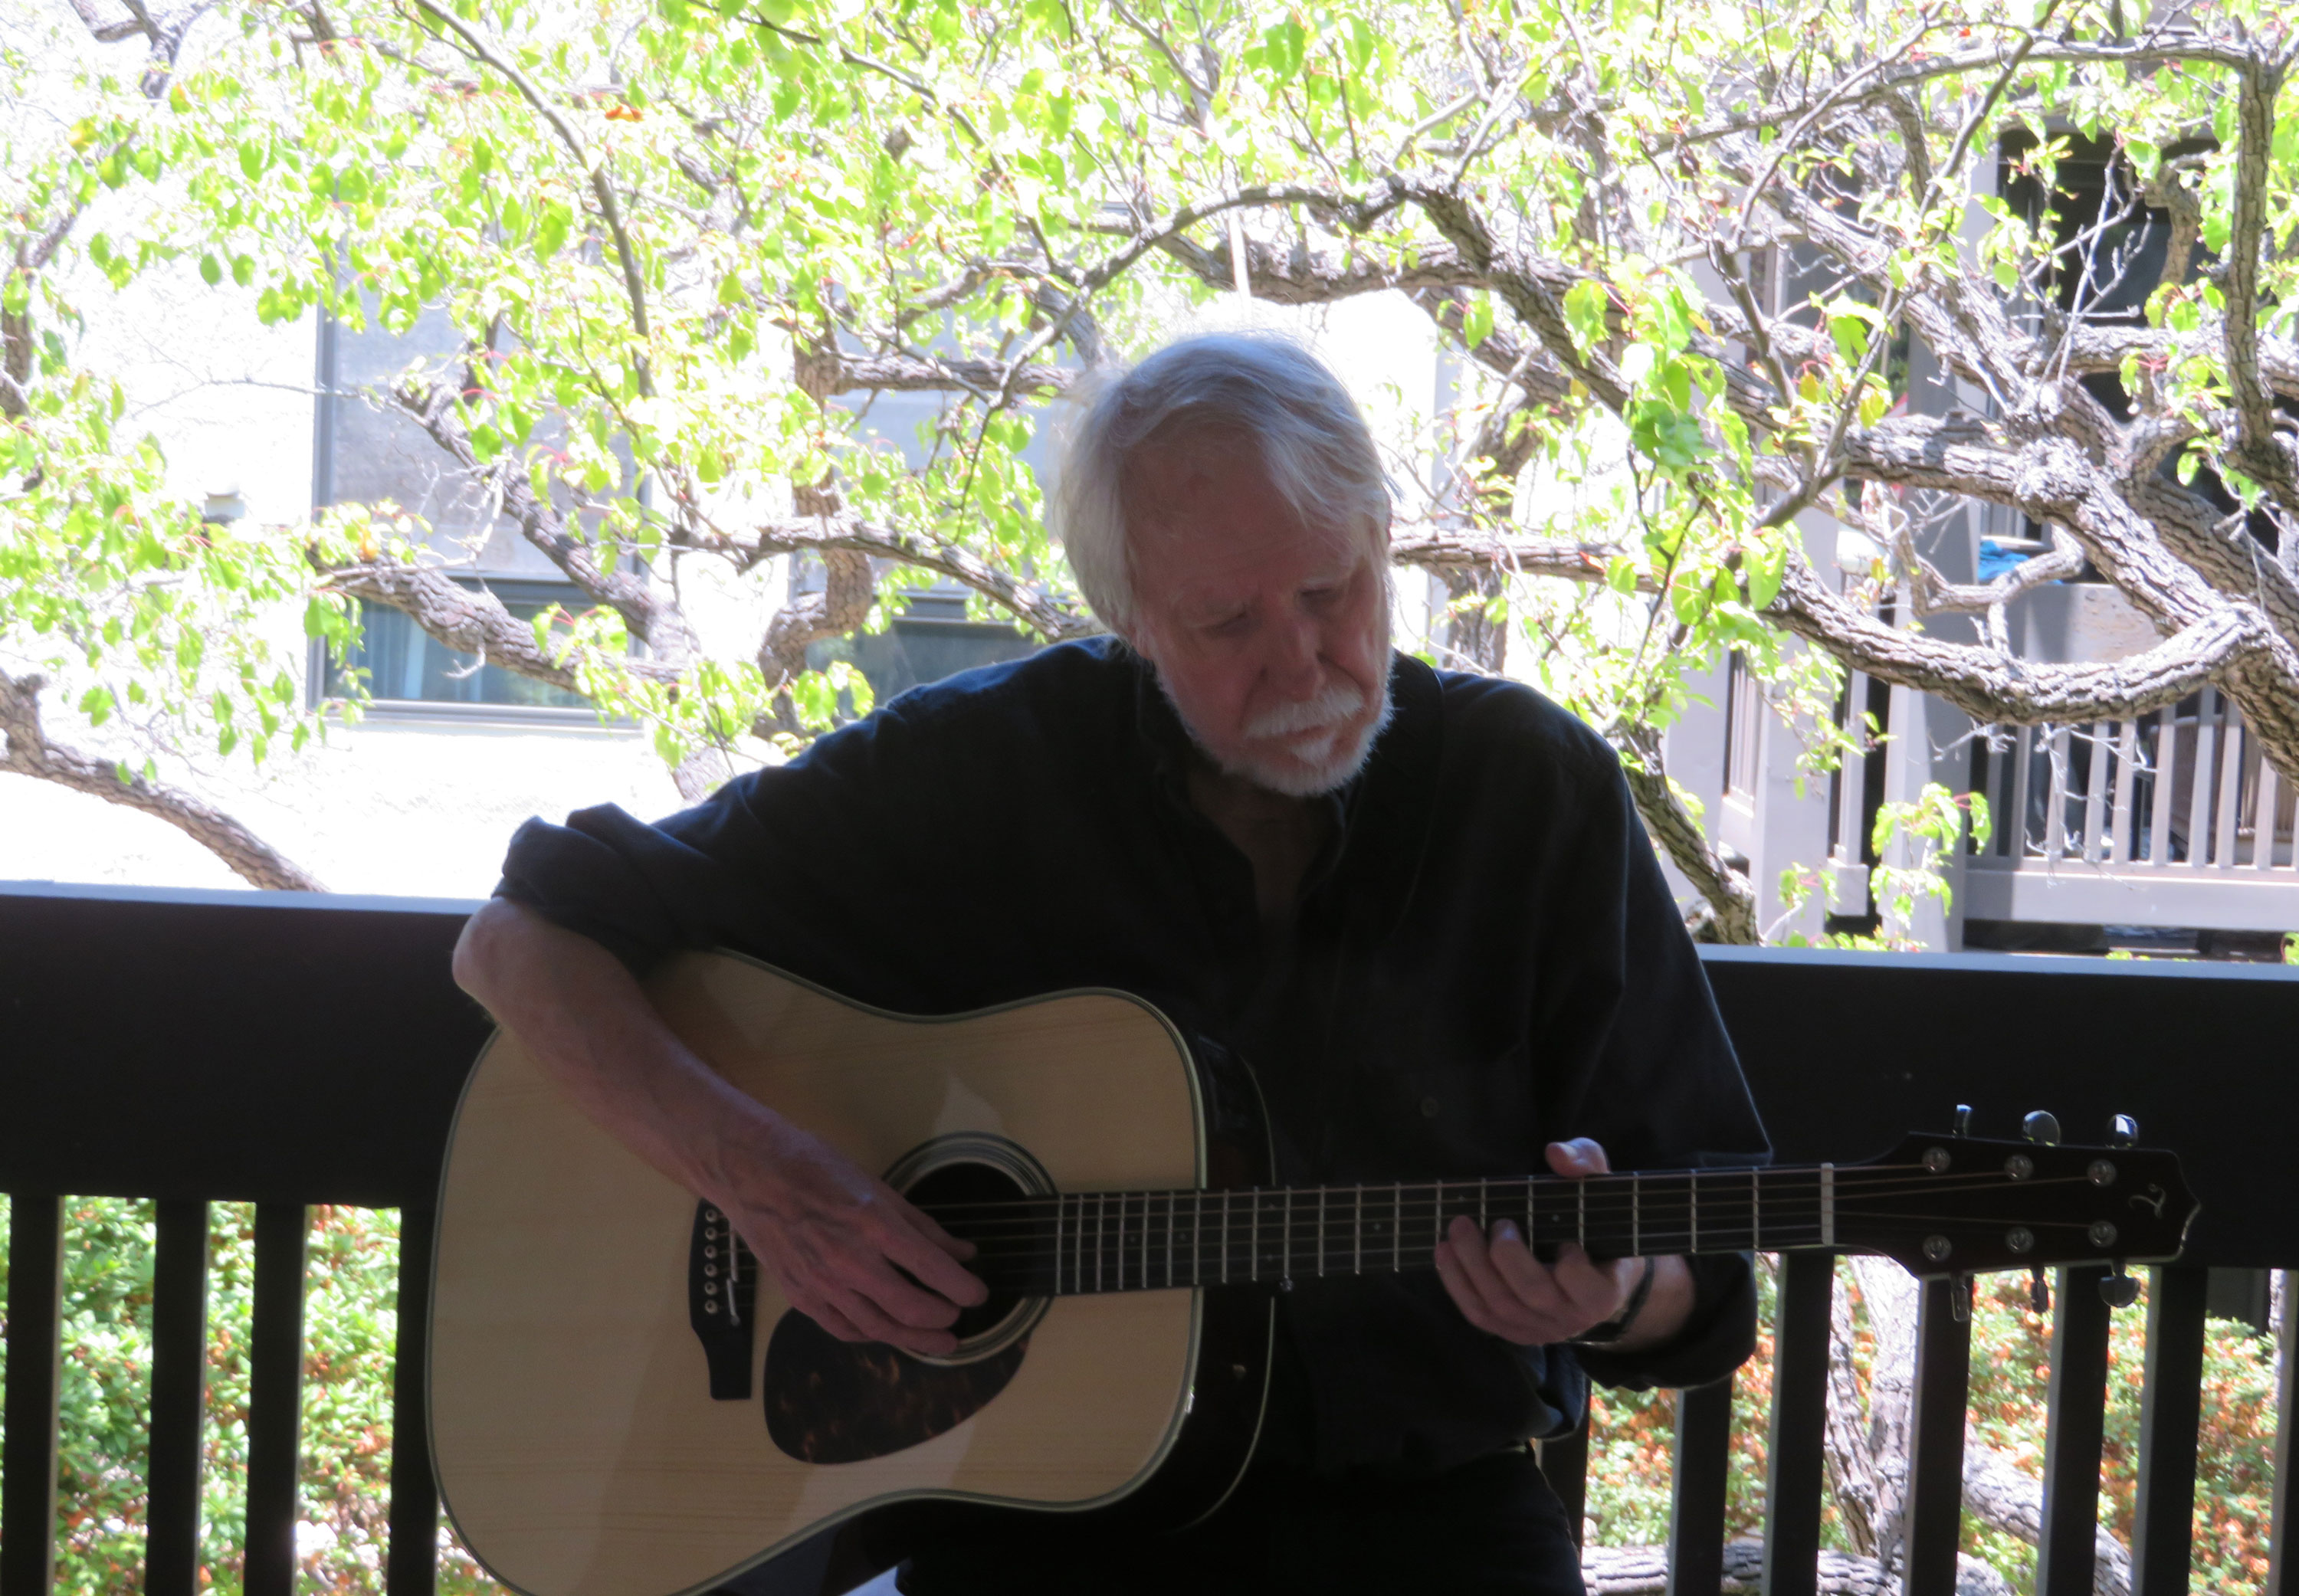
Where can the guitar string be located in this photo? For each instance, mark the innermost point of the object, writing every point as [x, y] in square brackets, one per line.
[1419, 1204]
[1621, 1189]
[1027, 1247]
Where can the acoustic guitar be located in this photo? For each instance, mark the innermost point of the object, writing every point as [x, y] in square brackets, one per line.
[622, 1406]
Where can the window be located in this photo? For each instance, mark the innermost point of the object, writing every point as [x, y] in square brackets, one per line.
[1743, 709]
[366, 450]
[405, 665]
[931, 639]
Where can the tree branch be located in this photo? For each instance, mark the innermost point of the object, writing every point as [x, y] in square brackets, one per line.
[602, 189]
[25, 750]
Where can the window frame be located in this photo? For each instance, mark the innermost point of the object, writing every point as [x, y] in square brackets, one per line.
[321, 671]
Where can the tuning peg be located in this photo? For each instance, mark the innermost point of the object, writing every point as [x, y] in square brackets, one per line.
[2124, 1132]
[2042, 1128]
[2118, 1290]
[1964, 1119]
[2039, 1291]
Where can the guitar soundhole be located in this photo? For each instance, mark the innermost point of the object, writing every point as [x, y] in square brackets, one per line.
[833, 1401]
[954, 1193]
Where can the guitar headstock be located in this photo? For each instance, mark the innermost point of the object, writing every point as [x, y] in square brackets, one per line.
[1959, 1205]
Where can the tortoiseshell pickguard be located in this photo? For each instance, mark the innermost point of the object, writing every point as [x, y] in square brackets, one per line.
[836, 1402]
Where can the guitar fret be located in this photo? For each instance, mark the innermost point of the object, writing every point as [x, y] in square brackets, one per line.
[1321, 1233]
[1285, 1241]
[1692, 1224]
[1253, 1239]
[1580, 1194]
[1397, 1228]
[1436, 1215]
[1755, 1213]
[1828, 1205]
[1356, 1230]
[1197, 1238]
[1636, 1217]
[1225, 1247]
[1146, 1199]
[1172, 1200]
[1481, 1204]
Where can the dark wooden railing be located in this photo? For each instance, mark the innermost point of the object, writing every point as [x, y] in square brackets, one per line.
[289, 1050]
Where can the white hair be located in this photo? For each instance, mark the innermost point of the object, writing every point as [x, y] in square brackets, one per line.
[1263, 391]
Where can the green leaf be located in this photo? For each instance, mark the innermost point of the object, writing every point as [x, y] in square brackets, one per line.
[1477, 319]
[551, 223]
[211, 270]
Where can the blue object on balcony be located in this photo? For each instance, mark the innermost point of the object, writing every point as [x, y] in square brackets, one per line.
[1996, 560]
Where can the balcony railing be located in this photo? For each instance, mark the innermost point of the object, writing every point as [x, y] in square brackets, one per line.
[290, 1050]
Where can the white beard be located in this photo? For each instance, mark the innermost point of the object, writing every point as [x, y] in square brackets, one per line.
[1324, 754]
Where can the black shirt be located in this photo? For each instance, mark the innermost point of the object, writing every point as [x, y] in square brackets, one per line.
[1485, 958]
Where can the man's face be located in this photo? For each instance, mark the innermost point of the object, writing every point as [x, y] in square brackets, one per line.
[1269, 633]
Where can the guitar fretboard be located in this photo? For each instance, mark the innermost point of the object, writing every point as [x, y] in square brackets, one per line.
[1085, 1242]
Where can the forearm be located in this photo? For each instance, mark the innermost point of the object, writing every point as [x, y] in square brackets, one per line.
[587, 1023]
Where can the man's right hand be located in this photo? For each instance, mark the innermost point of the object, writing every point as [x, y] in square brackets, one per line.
[840, 1245]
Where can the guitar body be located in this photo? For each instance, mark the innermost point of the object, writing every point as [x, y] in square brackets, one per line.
[578, 1444]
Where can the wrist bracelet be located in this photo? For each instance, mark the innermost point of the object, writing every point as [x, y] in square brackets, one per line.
[1616, 1327]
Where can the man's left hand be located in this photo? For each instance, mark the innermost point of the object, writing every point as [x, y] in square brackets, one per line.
[1503, 1289]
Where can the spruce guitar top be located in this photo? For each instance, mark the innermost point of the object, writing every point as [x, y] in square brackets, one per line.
[620, 1406]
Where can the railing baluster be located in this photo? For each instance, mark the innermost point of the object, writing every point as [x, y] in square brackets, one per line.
[2127, 782]
[2228, 797]
[2073, 1430]
[1793, 1455]
[1935, 1514]
[180, 1361]
[2002, 779]
[411, 1565]
[2056, 801]
[2166, 762]
[274, 1398]
[28, 1463]
[1698, 1484]
[2199, 787]
[1565, 1464]
[2095, 842]
[2171, 1409]
[2263, 817]
[2280, 1573]
[2023, 758]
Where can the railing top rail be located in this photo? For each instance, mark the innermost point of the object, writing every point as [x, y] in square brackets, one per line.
[299, 1047]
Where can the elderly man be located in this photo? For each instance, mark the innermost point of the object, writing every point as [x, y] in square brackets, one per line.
[1419, 903]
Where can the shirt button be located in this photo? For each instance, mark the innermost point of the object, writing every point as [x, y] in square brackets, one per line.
[1429, 1108]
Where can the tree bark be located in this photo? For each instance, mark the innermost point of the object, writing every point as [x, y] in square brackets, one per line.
[27, 752]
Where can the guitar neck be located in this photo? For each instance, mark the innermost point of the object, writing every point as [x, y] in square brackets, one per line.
[1087, 1241]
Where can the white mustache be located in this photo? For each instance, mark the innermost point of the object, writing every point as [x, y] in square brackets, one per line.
[1327, 712]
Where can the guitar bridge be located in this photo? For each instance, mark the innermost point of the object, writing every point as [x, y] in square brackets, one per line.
[722, 1284]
